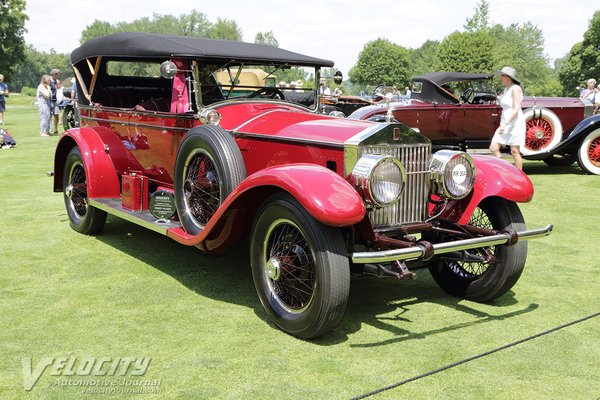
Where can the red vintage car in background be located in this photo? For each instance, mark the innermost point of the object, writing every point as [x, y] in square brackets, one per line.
[460, 111]
[207, 162]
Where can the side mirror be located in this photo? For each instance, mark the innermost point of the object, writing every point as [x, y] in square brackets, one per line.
[338, 78]
[168, 69]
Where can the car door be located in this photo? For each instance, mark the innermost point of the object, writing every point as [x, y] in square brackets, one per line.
[480, 123]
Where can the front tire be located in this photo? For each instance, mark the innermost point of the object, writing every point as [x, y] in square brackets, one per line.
[300, 268]
[589, 153]
[83, 218]
[480, 281]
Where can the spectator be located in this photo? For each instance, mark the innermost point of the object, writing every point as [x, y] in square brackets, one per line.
[512, 121]
[590, 90]
[3, 96]
[43, 99]
[408, 92]
[54, 109]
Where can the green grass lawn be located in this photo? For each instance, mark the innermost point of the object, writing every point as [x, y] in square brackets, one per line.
[131, 292]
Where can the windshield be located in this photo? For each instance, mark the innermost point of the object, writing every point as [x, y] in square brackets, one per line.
[240, 81]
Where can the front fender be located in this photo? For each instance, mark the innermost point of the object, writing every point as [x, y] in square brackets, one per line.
[100, 171]
[328, 197]
[495, 177]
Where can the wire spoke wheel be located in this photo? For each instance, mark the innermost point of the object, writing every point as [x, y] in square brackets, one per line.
[289, 265]
[539, 134]
[77, 190]
[594, 152]
[202, 187]
[83, 218]
[473, 270]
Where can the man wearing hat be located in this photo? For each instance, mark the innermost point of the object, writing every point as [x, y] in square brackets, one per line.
[511, 131]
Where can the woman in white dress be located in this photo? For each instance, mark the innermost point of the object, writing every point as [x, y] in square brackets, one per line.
[511, 131]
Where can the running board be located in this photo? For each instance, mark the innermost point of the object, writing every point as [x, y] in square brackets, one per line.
[144, 218]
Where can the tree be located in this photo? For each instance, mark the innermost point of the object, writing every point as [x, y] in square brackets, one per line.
[381, 61]
[194, 23]
[481, 19]
[421, 59]
[583, 61]
[465, 52]
[36, 63]
[12, 29]
[266, 38]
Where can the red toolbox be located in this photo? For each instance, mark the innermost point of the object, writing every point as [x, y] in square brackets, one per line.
[134, 191]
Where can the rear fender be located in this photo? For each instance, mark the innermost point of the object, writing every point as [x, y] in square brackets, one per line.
[328, 197]
[495, 177]
[99, 159]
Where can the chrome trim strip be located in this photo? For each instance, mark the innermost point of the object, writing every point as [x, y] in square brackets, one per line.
[131, 111]
[416, 252]
[237, 128]
[142, 218]
[158, 127]
[287, 139]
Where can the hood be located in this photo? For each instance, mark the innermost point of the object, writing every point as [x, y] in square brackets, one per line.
[289, 122]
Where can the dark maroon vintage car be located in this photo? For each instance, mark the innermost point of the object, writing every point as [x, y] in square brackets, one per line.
[207, 162]
[460, 111]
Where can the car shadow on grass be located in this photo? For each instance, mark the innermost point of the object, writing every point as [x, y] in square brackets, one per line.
[228, 278]
[540, 168]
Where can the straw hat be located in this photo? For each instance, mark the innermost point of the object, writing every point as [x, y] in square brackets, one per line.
[510, 72]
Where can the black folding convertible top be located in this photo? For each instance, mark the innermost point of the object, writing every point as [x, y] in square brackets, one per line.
[440, 78]
[149, 45]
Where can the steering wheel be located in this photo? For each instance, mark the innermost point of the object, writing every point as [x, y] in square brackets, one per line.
[464, 97]
[272, 92]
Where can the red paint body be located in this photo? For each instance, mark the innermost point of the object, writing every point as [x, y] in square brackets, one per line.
[284, 148]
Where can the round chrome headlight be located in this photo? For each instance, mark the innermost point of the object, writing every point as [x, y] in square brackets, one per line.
[380, 178]
[453, 173]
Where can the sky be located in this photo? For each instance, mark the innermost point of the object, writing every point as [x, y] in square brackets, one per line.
[335, 30]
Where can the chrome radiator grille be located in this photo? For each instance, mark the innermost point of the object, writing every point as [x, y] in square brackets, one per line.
[412, 206]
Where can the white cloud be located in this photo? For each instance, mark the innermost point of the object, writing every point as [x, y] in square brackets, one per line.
[334, 29]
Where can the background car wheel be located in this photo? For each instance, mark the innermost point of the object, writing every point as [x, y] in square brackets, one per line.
[300, 268]
[589, 153]
[561, 160]
[480, 281]
[82, 217]
[68, 117]
[542, 133]
[208, 167]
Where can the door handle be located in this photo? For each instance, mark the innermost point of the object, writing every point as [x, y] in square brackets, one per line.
[494, 115]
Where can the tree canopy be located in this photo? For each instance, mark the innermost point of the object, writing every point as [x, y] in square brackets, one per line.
[12, 29]
[583, 61]
[381, 61]
[194, 23]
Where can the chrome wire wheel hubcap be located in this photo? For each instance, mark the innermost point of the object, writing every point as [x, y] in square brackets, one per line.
[289, 267]
[76, 190]
[201, 188]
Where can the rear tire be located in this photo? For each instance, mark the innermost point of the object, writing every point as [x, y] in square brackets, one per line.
[300, 268]
[83, 218]
[589, 153]
[208, 167]
[484, 282]
[542, 133]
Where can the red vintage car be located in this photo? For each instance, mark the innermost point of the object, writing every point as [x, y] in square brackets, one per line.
[207, 163]
[460, 111]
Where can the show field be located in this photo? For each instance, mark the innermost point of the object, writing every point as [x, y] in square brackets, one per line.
[130, 292]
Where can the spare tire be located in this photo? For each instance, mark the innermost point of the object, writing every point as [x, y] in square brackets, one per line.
[209, 165]
[543, 131]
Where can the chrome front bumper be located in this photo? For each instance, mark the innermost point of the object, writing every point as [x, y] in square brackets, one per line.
[416, 252]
